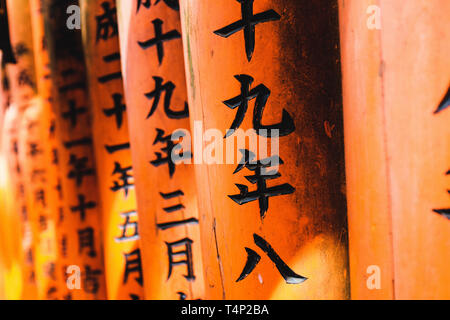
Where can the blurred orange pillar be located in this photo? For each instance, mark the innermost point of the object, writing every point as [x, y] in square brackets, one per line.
[22, 82]
[81, 220]
[124, 274]
[156, 100]
[396, 73]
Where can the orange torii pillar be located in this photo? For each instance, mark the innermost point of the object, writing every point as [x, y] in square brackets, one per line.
[396, 76]
[57, 287]
[16, 282]
[124, 274]
[268, 231]
[41, 194]
[156, 100]
[81, 243]
[4, 185]
[22, 82]
[12, 254]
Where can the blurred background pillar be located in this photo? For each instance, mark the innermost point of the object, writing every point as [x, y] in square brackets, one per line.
[81, 220]
[124, 274]
[50, 133]
[22, 83]
[396, 74]
[156, 101]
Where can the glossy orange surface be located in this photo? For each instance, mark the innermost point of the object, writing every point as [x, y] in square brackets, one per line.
[167, 203]
[397, 146]
[81, 220]
[296, 57]
[124, 274]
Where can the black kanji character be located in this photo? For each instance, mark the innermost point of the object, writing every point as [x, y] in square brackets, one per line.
[124, 179]
[87, 141]
[116, 148]
[75, 85]
[34, 149]
[261, 93]
[146, 4]
[444, 212]
[171, 195]
[173, 224]
[107, 22]
[173, 4]
[72, 114]
[86, 240]
[445, 103]
[21, 49]
[43, 223]
[50, 270]
[39, 197]
[170, 145]
[132, 265]
[36, 173]
[262, 192]
[248, 23]
[128, 225]
[117, 110]
[168, 89]
[159, 39]
[90, 280]
[253, 259]
[114, 75]
[186, 253]
[25, 79]
[79, 169]
[64, 247]
[83, 206]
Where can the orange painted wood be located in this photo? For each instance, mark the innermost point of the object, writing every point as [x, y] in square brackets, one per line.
[11, 248]
[296, 57]
[397, 146]
[124, 274]
[16, 268]
[56, 286]
[35, 157]
[167, 203]
[22, 75]
[81, 243]
[51, 134]
[22, 82]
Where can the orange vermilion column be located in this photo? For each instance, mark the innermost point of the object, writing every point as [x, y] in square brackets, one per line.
[397, 140]
[12, 256]
[15, 264]
[156, 99]
[266, 234]
[49, 175]
[81, 242]
[35, 158]
[22, 82]
[124, 274]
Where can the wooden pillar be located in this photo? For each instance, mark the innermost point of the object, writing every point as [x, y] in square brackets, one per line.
[4, 185]
[124, 274]
[16, 281]
[12, 254]
[268, 235]
[22, 82]
[81, 243]
[396, 72]
[50, 133]
[156, 99]
[35, 158]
